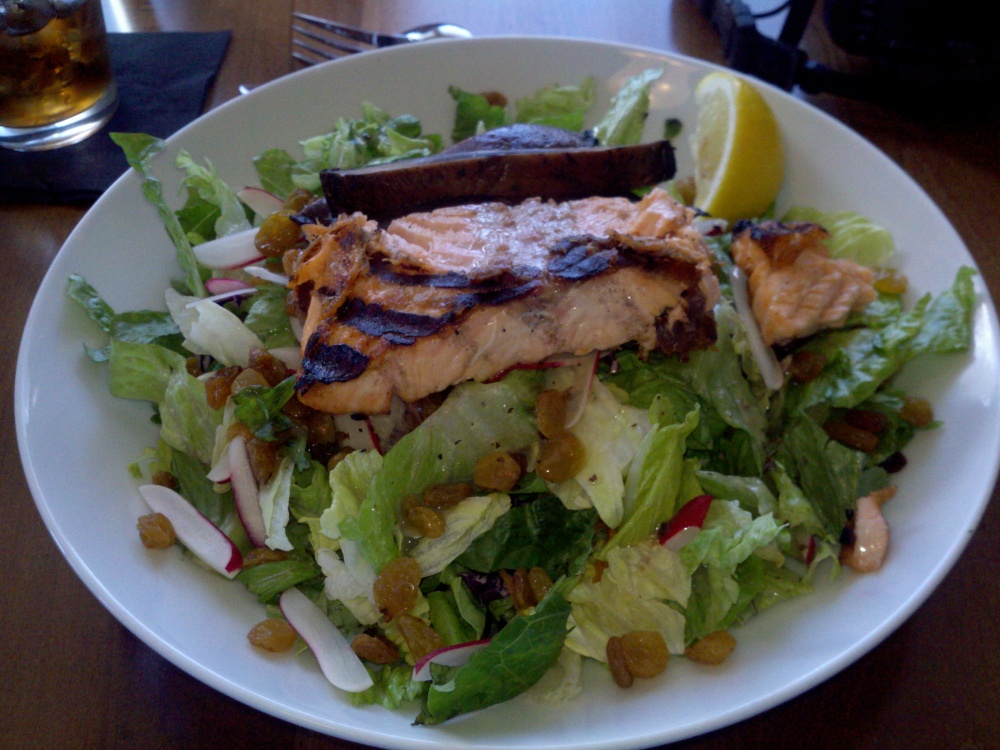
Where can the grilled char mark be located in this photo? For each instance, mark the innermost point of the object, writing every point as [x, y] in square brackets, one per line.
[386, 191]
[329, 363]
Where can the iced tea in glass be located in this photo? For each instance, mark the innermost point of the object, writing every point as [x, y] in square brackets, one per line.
[56, 86]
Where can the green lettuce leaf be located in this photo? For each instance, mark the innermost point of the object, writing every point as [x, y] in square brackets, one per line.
[852, 236]
[515, 659]
[475, 419]
[625, 120]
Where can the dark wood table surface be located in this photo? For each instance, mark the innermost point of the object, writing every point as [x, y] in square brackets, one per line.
[73, 677]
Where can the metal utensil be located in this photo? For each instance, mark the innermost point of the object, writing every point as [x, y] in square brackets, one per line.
[329, 40]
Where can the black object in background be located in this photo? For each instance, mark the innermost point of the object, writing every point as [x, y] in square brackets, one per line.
[163, 80]
[913, 47]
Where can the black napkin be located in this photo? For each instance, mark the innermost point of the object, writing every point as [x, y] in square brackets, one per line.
[163, 81]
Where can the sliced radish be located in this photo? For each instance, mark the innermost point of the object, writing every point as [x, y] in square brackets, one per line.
[763, 355]
[220, 473]
[339, 664]
[546, 365]
[449, 656]
[245, 492]
[290, 355]
[260, 201]
[232, 251]
[691, 516]
[262, 273]
[358, 431]
[243, 291]
[198, 533]
[681, 538]
[222, 285]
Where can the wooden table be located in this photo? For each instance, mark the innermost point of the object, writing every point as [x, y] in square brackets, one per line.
[73, 677]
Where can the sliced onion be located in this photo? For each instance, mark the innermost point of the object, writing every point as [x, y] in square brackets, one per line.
[263, 273]
[290, 355]
[763, 355]
[232, 251]
[579, 392]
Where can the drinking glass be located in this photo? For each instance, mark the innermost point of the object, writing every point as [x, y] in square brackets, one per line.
[56, 86]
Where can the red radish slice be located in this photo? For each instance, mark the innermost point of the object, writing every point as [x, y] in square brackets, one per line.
[360, 435]
[691, 515]
[385, 426]
[260, 201]
[198, 533]
[449, 656]
[263, 273]
[232, 251]
[681, 538]
[222, 285]
[339, 664]
[583, 384]
[246, 493]
[290, 355]
[220, 473]
[546, 365]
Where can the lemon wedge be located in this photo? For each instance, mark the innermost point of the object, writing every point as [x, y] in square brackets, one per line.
[739, 163]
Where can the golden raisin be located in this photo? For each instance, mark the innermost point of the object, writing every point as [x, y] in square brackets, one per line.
[497, 471]
[917, 411]
[615, 653]
[322, 428]
[375, 649]
[298, 199]
[890, 283]
[714, 648]
[806, 366]
[645, 652]
[219, 386]
[193, 366]
[851, 436]
[337, 457]
[273, 634]
[277, 234]
[539, 583]
[396, 587]
[550, 412]
[156, 531]
[446, 495]
[560, 458]
[164, 479]
[247, 378]
[425, 521]
[420, 637]
[260, 555]
[272, 368]
[867, 419]
[518, 588]
[263, 458]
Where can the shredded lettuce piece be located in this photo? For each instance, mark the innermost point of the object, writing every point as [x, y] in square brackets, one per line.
[852, 235]
[625, 120]
[632, 594]
[464, 523]
[140, 149]
[210, 328]
[210, 199]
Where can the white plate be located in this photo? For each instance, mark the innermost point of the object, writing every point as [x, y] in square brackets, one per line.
[76, 439]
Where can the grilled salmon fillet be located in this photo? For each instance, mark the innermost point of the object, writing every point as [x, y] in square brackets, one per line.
[796, 288]
[466, 292]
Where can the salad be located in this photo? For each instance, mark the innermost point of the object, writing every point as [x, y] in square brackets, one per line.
[729, 495]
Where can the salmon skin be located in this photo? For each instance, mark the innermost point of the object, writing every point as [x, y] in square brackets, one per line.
[386, 191]
[466, 292]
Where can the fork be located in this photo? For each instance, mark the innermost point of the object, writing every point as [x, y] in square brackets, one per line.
[338, 39]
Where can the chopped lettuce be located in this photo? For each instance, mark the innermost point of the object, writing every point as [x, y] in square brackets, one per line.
[464, 523]
[625, 120]
[852, 236]
[632, 594]
[475, 419]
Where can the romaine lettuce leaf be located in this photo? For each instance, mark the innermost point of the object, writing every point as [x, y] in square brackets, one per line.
[515, 659]
[464, 523]
[852, 235]
[475, 419]
[625, 120]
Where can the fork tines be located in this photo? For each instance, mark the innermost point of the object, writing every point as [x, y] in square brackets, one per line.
[316, 39]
